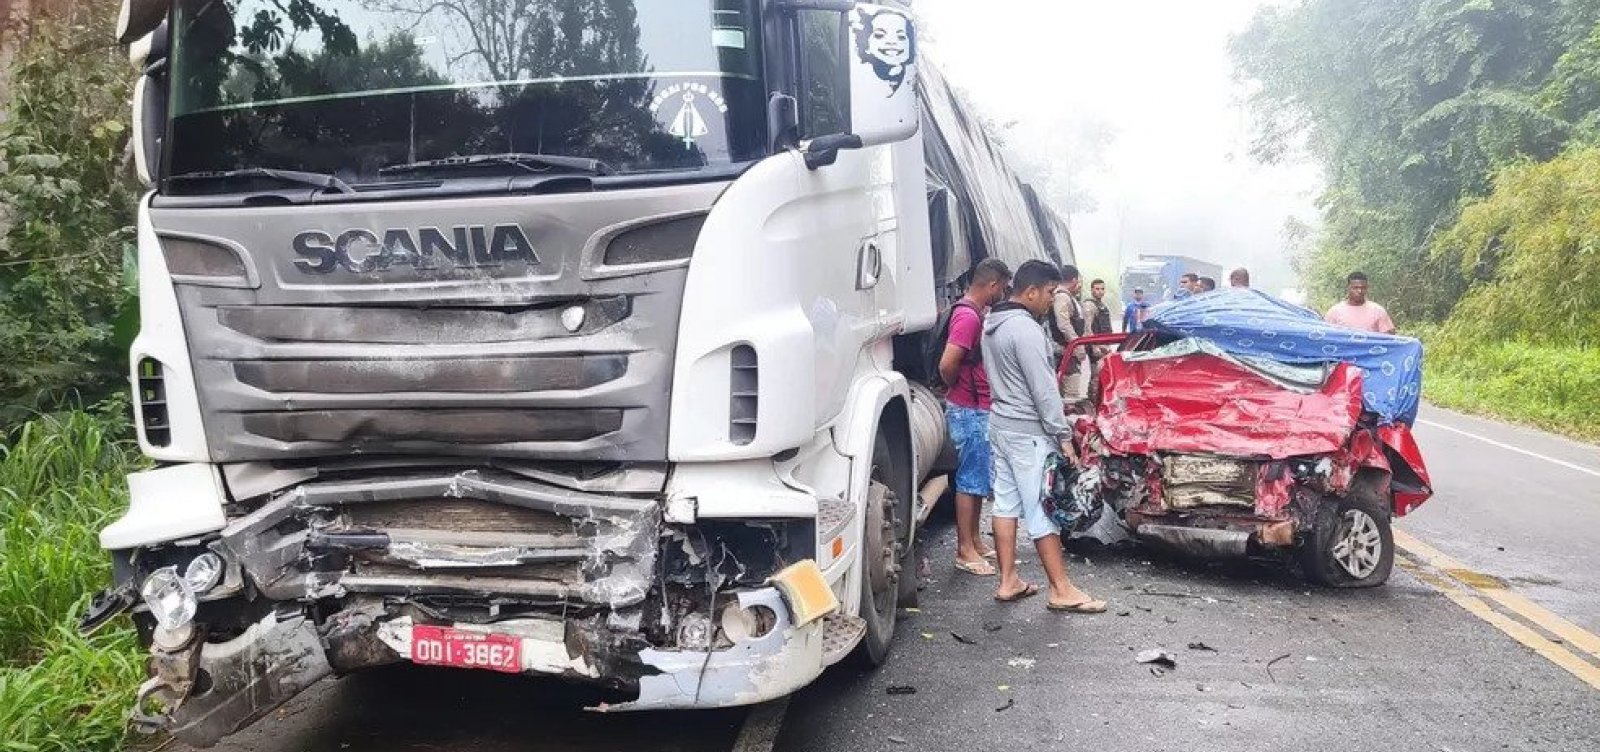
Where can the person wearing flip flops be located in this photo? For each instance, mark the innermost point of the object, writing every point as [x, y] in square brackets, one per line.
[1027, 422]
[967, 410]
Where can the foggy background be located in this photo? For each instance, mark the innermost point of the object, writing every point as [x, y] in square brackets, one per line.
[1127, 117]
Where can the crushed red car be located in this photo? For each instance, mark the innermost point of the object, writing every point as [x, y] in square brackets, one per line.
[1241, 425]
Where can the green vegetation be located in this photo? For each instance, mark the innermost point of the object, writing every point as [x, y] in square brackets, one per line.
[61, 481]
[66, 315]
[1460, 140]
[65, 319]
[1555, 387]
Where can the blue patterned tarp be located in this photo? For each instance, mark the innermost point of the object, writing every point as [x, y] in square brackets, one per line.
[1253, 323]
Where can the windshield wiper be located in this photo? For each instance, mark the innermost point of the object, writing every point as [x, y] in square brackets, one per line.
[313, 179]
[526, 161]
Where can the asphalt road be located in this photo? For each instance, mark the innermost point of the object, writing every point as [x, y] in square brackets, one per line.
[1479, 642]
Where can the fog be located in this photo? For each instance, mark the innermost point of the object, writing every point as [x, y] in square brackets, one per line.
[1126, 114]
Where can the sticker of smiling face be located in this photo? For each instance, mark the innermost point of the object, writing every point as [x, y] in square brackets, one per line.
[886, 40]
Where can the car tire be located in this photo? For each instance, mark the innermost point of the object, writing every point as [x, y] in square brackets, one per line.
[1352, 545]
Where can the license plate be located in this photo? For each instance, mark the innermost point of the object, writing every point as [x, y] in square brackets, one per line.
[456, 648]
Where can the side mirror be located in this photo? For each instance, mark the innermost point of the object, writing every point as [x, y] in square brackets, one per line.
[149, 54]
[883, 75]
[883, 83]
[138, 18]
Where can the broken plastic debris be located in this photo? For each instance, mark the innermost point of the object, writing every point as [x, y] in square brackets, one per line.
[1003, 708]
[896, 740]
[964, 640]
[1023, 663]
[927, 635]
[806, 591]
[1202, 646]
[900, 690]
[1004, 688]
[1158, 657]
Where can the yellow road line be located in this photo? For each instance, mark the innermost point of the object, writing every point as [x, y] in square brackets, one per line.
[1449, 587]
[1496, 591]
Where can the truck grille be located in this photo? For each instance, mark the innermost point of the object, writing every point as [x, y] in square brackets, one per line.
[566, 358]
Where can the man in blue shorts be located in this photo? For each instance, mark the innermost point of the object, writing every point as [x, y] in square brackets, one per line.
[967, 410]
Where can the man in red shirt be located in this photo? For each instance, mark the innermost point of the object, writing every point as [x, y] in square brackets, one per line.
[967, 410]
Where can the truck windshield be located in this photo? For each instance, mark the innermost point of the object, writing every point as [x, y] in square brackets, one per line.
[348, 87]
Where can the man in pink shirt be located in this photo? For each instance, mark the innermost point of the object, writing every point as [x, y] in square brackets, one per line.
[1356, 312]
[967, 410]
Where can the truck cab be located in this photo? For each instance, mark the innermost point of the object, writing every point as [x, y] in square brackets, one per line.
[554, 343]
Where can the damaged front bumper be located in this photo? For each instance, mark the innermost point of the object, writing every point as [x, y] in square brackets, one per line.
[590, 585]
[209, 690]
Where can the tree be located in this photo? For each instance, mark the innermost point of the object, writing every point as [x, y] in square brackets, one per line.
[62, 286]
[1411, 106]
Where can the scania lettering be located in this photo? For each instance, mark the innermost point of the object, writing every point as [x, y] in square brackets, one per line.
[575, 340]
[362, 250]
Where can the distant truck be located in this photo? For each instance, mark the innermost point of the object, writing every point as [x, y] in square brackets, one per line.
[1158, 275]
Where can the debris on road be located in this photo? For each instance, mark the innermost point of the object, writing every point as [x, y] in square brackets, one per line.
[1202, 647]
[1269, 667]
[963, 639]
[896, 740]
[1020, 662]
[1010, 701]
[1157, 657]
[991, 626]
[901, 689]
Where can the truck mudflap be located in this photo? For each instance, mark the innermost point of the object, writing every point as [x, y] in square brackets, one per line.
[209, 690]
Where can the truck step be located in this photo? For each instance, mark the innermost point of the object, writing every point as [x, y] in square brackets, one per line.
[840, 635]
[833, 516]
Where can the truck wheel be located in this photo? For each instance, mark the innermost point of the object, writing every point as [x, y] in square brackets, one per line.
[1352, 545]
[882, 545]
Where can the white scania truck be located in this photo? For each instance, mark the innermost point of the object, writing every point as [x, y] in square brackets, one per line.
[560, 337]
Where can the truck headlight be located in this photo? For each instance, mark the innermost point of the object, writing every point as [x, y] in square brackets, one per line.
[173, 599]
[204, 573]
[170, 598]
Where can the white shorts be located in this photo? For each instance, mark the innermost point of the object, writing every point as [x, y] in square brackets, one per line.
[1019, 480]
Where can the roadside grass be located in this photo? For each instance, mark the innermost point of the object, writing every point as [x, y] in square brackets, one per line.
[61, 480]
[1553, 387]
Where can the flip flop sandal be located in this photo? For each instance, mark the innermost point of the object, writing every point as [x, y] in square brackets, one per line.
[991, 554]
[1028, 591]
[1082, 607]
[976, 568]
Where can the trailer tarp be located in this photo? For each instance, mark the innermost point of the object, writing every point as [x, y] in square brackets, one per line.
[977, 205]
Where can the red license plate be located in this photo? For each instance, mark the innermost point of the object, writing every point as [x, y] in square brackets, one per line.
[446, 646]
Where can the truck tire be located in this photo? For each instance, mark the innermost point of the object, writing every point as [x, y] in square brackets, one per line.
[1352, 545]
[882, 550]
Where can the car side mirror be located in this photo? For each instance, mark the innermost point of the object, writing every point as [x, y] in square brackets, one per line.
[883, 83]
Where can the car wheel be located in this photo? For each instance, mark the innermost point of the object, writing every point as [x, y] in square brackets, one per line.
[1352, 545]
[881, 554]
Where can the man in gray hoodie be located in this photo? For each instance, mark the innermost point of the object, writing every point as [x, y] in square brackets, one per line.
[1027, 422]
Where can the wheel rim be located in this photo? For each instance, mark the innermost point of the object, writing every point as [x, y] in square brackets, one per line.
[883, 573]
[1358, 547]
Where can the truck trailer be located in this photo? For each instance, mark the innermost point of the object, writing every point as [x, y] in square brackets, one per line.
[559, 341]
